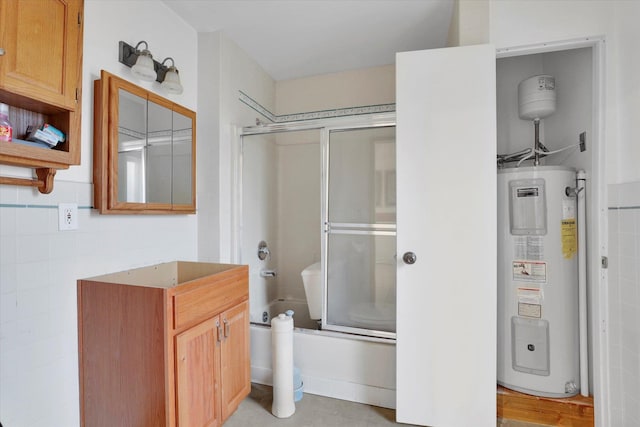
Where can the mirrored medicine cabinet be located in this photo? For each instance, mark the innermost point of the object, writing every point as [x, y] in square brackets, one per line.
[144, 151]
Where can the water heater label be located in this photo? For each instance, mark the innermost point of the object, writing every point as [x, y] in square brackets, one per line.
[546, 83]
[529, 295]
[529, 302]
[529, 310]
[569, 238]
[530, 271]
[529, 247]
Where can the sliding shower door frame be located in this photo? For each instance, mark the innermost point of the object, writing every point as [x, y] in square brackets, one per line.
[353, 229]
[325, 126]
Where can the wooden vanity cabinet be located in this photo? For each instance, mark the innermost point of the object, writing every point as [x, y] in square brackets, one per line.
[166, 345]
[216, 348]
[41, 81]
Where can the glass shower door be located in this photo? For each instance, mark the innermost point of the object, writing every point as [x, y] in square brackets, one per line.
[360, 231]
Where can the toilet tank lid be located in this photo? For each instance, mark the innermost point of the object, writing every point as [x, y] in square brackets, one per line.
[312, 269]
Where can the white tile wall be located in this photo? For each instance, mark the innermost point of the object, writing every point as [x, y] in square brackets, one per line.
[39, 266]
[624, 300]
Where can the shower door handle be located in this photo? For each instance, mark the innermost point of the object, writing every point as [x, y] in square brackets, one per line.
[409, 258]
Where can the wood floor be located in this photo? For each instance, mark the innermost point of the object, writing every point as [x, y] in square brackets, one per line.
[568, 412]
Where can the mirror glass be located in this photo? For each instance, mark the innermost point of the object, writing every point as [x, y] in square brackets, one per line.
[182, 159]
[144, 151]
[159, 164]
[131, 147]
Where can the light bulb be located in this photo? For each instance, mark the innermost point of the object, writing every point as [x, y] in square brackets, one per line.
[171, 83]
[143, 67]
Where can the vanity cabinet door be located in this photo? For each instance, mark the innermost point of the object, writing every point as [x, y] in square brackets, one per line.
[197, 372]
[236, 369]
[41, 42]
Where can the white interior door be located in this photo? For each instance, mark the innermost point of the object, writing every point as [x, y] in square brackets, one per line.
[446, 216]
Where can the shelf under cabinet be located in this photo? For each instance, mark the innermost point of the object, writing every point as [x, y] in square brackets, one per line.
[46, 161]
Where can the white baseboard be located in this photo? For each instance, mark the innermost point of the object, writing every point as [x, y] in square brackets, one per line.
[377, 396]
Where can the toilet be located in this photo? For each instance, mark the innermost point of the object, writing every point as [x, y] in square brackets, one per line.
[311, 278]
[381, 316]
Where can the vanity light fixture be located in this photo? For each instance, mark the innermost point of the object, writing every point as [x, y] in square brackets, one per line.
[143, 67]
[146, 68]
[171, 80]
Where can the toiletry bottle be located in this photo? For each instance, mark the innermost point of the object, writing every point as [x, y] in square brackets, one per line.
[6, 130]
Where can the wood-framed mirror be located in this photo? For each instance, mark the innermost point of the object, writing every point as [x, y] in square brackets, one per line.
[144, 158]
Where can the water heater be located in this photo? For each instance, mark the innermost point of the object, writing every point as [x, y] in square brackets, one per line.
[538, 321]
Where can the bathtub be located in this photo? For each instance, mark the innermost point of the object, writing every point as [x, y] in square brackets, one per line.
[342, 366]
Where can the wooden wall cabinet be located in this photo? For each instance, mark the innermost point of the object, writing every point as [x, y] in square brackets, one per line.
[166, 345]
[41, 81]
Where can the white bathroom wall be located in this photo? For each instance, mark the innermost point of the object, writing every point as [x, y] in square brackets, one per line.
[225, 69]
[39, 265]
[624, 299]
[208, 152]
[627, 79]
[235, 71]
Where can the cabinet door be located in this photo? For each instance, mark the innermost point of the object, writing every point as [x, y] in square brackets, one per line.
[197, 371]
[42, 49]
[236, 369]
[446, 213]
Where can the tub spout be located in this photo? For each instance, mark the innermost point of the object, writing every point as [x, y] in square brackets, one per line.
[267, 273]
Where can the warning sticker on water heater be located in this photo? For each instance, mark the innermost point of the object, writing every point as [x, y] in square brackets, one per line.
[530, 271]
[569, 238]
[529, 310]
[529, 302]
[528, 247]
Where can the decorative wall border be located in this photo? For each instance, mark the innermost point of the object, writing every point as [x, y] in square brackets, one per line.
[313, 115]
[32, 206]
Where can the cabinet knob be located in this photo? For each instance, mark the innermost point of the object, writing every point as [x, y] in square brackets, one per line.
[1, 51]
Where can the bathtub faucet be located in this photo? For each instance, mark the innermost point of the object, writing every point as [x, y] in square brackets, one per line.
[267, 273]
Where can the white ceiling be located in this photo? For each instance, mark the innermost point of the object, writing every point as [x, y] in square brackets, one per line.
[299, 38]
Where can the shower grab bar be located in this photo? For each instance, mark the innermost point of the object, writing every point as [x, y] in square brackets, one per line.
[356, 225]
[363, 232]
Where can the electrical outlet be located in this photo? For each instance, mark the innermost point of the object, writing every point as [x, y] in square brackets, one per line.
[67, 216]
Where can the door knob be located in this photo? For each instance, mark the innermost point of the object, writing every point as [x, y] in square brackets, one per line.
[409, 258]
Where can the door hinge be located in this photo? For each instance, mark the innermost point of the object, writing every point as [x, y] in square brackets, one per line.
[79, 19]
[605, 262]
[77, 94]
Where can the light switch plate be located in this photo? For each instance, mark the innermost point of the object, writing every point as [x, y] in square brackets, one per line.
[67, 216]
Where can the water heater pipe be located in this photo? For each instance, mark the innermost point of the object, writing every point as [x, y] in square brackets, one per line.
[536, 142]
[582, 281]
